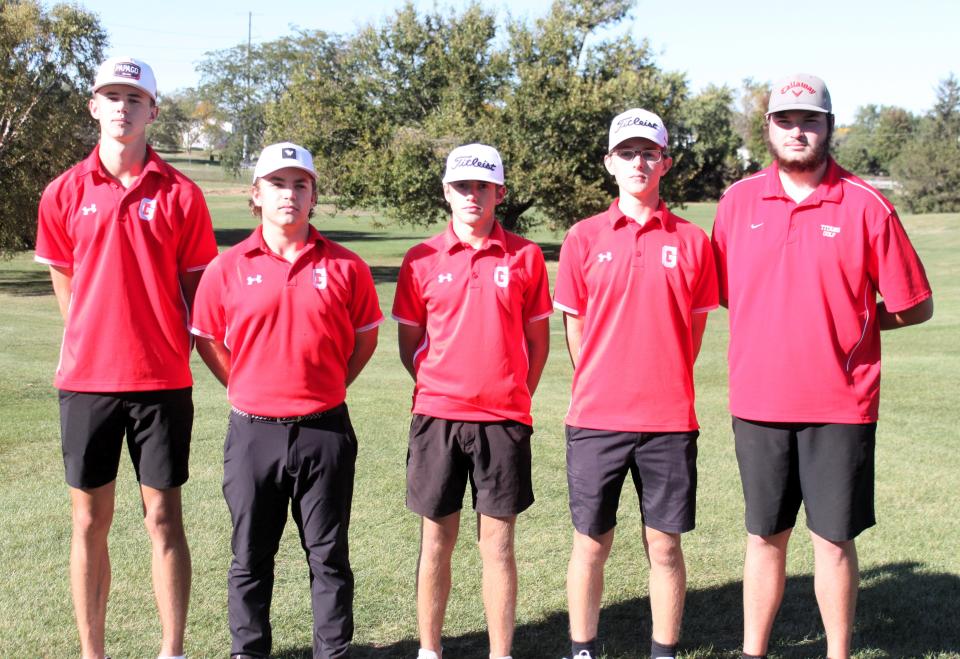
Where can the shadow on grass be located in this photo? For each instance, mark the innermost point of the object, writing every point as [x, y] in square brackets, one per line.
[903, 612]
[230, 237]
[25, 283]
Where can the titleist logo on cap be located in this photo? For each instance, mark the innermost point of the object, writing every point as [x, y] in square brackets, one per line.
[636, 121]
[126, 70]
[798, 87]
[472, 161]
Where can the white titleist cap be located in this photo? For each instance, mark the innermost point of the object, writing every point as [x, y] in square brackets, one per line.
[474, 162]
[637, 123]
[281, 155]
[126, 71]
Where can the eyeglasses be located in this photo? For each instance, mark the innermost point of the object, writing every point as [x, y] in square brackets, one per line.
[649, 155]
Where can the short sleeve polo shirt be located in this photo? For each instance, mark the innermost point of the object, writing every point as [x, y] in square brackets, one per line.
[636, 288]
[290, 327]
[801, 282]
[474, 306]
[127, 326]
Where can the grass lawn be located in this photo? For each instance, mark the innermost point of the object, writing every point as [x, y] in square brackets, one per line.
[910, 599]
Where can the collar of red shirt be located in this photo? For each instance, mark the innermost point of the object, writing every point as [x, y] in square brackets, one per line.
[92, 165]
[828, 190]
[254, 242]
[661, 215]
[496, 237]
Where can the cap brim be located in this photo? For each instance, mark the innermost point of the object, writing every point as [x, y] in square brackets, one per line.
[799, 106]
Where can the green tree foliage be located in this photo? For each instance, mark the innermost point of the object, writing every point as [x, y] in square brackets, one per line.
[928, 166]
[749, 123]
[50, 58]
[876, 137]
[383, 109]
[709, 156]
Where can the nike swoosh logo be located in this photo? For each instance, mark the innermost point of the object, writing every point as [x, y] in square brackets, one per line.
[756, 226]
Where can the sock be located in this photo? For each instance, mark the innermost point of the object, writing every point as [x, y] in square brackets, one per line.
[753, 656]
[660, 651]
[428, 654]
[179, 656]
[590, 647]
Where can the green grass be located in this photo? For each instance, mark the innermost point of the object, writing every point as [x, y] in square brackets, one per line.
[909, 605]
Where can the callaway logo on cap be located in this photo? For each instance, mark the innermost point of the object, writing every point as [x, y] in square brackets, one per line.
[637, 123]
[474, 162]
[282, 155]
[126, 71]
[799, 91]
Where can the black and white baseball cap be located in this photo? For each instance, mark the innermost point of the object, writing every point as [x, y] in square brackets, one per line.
[126, 71]
[281, 155]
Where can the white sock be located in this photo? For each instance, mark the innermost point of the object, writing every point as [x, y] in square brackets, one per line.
[428, 654]
[179, 656]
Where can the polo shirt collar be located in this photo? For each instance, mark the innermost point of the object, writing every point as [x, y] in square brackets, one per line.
[92, 165]
[662, 215]
[497, 237]
[255, 243]
[829, 189]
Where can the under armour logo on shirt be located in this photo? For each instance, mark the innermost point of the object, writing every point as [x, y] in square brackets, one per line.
[604, 256]
[254, 280]
[86, 210]
[447, 276]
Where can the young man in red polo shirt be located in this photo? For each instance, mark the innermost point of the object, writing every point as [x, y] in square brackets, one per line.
[803, 250]
[126, 237]
[473, 305]
[286, 320]
[635, 284]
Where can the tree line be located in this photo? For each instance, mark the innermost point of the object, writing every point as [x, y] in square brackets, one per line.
[380, 108]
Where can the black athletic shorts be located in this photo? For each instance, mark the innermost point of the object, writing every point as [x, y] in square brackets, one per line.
[664, 470]
[493, 455]
[157, 425]
[826, 466]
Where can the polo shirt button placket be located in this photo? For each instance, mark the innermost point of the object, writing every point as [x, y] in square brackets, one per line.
[474, 272]
[638, 239]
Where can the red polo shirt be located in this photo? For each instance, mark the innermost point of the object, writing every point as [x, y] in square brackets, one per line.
[474, 304]
[290, 327]
[801, 281]
[126, 329]
[637, 288]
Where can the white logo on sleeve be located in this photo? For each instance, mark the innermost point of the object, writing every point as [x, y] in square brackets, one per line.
[668, 256]
[148, 209]
[829, 231]
[445, 277]
[320, 278]
[256, 279]
[86, 210]
[501, 275]
[604, 256]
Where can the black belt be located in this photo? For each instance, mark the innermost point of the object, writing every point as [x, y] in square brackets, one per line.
[290, 419]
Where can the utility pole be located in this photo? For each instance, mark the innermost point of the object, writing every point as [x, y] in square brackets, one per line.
[246, 109]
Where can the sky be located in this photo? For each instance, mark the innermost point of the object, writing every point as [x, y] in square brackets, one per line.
[885, 52]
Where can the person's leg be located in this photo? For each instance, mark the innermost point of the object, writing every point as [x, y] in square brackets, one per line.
[668, 584]
[495, 539]
[836, 579]
[438, 537]
[163, 517]
[764, 578]
[90, 564]
[256, 491]
[323, 471]
[585, 583]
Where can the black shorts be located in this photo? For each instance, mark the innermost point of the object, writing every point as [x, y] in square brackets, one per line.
[664, 470]
[494, 455]
[827, 466]
[157, 425]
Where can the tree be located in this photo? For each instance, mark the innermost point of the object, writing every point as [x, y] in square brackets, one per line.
[711, 161]
[50, 58]
[396, 98]
[750, 122]
[928, 166]
[874, 140]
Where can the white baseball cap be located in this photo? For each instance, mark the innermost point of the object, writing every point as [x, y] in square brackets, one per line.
[474, 162]
[281, 155]
[800, 91]
[126, 71]
[637, 123]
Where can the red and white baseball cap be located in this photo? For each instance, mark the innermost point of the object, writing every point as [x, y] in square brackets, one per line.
[126, 71]
[474, 162]
[281, 155]
[637, 123]
[800, 91]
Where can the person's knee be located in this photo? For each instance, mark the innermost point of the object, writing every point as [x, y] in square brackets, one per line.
[92, 523]
[591, 551]
[665, 551]
[164, 522]
[833, 551]
[496, 547]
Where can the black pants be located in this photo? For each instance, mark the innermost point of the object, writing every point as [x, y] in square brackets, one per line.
[267, 466]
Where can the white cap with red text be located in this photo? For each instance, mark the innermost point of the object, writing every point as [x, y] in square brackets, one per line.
[126, 71]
